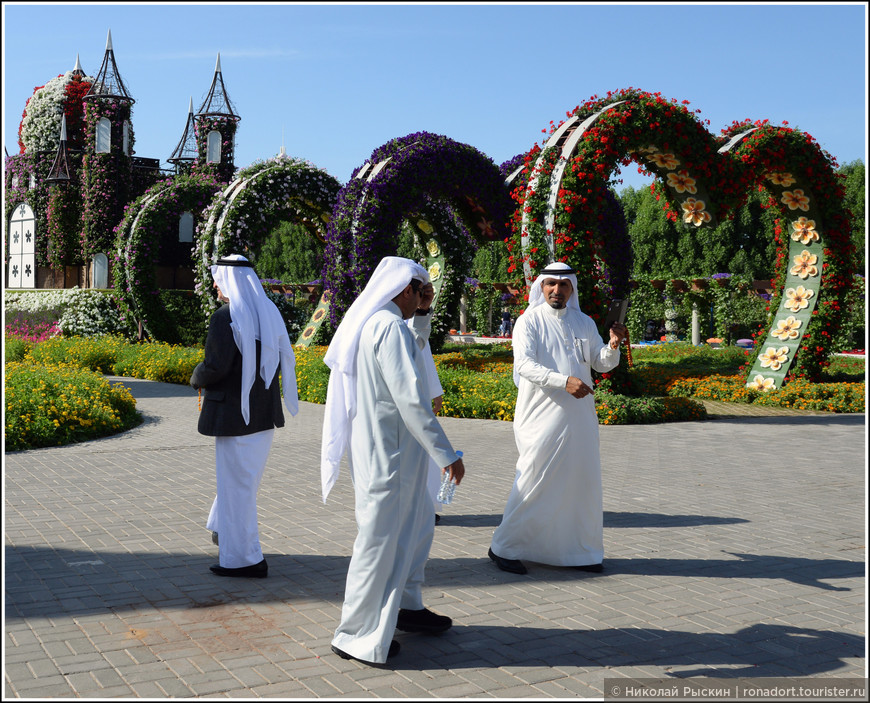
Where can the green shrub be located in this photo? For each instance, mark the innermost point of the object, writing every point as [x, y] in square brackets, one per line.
[53, 405]
[15, 349]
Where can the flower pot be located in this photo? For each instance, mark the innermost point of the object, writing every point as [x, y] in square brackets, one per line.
[658, 284]
[700, 284]
[680, 286]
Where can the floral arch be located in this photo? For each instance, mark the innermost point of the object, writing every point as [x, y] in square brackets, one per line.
[243, 214]
[142, 239]
[706, 177]
[449, 193]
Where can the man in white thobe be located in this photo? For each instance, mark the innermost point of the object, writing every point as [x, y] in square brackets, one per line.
[436, 391]
[378, 405]
[554, 512]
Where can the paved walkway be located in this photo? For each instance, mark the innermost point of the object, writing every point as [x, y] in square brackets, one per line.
[734, 548]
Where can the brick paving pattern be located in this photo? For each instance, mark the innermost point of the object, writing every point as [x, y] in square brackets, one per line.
[733, 548]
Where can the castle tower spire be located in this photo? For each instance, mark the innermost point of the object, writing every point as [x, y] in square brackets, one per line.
[185, 152]
[217, 102]
[59, 172]
[216, 123]
[108, 83]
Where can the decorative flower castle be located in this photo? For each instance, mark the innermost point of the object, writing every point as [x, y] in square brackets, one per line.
[76, 174]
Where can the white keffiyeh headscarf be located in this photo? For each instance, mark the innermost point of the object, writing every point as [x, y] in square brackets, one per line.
[559, 271]
[391, 277]
[255, 317]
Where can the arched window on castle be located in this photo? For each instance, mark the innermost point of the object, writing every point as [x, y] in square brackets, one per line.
[185, 227]
[127, 137]
[104, 136]
[214, 147]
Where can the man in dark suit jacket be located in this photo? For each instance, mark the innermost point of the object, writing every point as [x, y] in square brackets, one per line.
[241, 408]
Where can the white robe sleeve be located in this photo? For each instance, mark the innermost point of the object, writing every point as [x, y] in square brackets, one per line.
[396, 355]
[603, 358]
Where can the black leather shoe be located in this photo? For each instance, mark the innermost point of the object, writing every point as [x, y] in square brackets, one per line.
[255, 571]
[594, 568]
[514, 566]
[422, 621]
[394, 650]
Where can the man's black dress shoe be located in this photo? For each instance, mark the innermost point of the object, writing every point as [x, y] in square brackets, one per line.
[422, 621]
[394, 650]
[514, 566]
[594, 568]
[256, 571]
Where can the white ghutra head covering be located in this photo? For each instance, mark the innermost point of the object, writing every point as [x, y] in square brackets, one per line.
[559, 271]
[254, 317]
[391, 277]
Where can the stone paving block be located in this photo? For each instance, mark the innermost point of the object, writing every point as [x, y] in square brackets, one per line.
[43, 690]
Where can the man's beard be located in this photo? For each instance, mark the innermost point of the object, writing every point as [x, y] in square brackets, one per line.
[556, 305]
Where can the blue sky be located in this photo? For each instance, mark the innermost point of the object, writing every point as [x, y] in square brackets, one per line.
[340, 80]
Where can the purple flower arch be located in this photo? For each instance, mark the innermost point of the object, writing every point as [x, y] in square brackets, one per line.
[401, 180]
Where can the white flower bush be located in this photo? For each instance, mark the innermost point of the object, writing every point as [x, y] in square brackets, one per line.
[78, 312]
[40, 127]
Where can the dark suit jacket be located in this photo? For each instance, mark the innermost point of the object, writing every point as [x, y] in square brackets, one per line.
[220, 377]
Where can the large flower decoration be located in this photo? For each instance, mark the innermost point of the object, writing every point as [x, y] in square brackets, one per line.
[804, 231]
[773, 358]
[781, 179]
[805, 265]
[760, 383]
[798, 299]
[682, 182]
[796, 200]
[695, 212]
[787, 329]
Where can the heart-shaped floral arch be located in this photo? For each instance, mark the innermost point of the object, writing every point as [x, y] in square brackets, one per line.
[562, 208]
[451, 194]
[244, 213]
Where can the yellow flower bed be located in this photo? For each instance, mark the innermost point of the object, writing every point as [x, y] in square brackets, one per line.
[56, 404]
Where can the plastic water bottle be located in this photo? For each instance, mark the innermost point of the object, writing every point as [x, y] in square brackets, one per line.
[447, 489]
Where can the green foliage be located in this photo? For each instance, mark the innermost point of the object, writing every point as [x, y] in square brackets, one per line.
[665, 249]
[613, 409]
[485, 303]
[295, 316]
[184, 314]
[855, 201]
[290, 254]
[15, 349]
